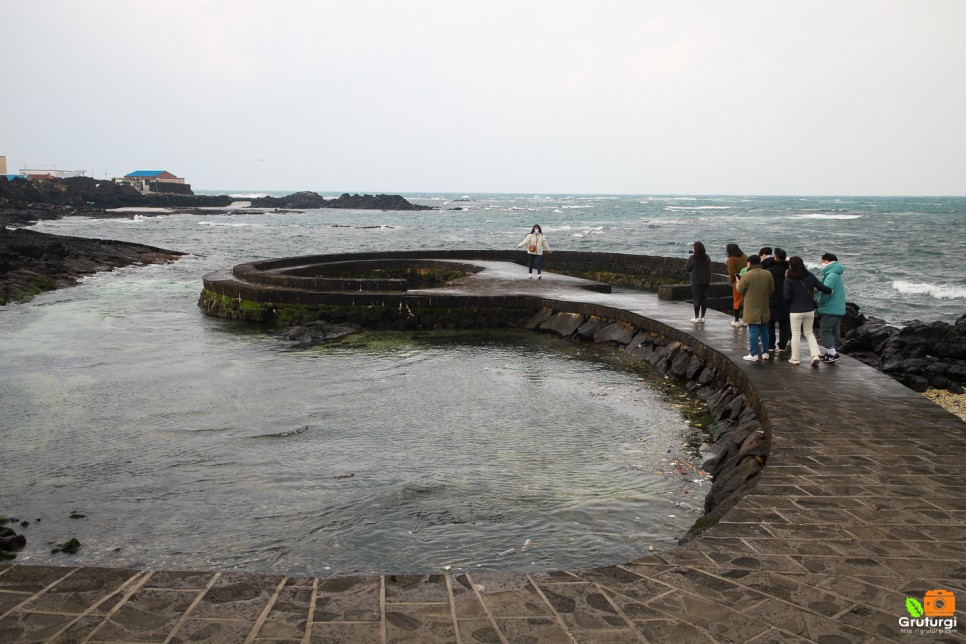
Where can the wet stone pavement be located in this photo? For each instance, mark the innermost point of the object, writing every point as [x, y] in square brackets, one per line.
[862, 505]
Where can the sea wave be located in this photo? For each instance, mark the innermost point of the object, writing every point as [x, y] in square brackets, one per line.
[938, 291]
[248, 195]
[824, 216]
[229, 224]
[698, 207]
[140, 209]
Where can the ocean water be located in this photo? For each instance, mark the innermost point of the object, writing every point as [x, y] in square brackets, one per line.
[193, 442]
[901, 254]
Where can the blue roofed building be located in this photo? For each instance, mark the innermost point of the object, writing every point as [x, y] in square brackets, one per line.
[155, 181]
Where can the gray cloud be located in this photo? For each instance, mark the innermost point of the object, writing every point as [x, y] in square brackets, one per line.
[858, 97]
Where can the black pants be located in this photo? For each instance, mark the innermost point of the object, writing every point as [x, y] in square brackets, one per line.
[779, 318]
[699, 297]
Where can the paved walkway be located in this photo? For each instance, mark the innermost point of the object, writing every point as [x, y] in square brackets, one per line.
[862, 504]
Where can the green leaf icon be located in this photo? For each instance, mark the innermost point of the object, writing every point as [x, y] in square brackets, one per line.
[914, 607]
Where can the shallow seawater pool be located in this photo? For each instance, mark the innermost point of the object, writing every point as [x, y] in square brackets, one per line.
[383, 452]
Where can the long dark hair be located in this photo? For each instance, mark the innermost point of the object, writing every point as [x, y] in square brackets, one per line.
[700, 254]
[796, 268]
[733, 250]
[536, 229]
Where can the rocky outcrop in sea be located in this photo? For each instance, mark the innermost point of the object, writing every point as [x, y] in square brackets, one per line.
[347, 201]
[32, 262]
[26, 202]
[918, 354]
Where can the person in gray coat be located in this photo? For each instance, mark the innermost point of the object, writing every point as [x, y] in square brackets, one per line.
[755, 288]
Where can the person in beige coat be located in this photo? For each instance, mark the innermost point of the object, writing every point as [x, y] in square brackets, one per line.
[536, 245]
[756, 287]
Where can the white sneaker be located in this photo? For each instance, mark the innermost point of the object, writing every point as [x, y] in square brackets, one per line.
[736, 324]
[750, 358]
[701, 320]
[764, 356]
[695, 320]
[794, 362]
[815, 361]
[742, 323]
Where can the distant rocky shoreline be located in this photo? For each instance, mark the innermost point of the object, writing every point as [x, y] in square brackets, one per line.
[23, 203]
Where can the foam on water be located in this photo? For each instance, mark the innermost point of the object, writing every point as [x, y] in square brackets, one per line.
[938, 291]
[825, 216]
[672, 208]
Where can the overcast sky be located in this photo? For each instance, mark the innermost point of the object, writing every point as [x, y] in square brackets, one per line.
[835, 97]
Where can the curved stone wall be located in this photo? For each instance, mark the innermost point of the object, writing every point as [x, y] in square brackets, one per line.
[287, 291]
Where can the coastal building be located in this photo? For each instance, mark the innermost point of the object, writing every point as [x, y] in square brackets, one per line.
[51, 173]
[155, 181]
[38, 173]
[3, 171]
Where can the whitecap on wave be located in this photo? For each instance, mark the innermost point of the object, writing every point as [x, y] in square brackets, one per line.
[698, 207]
[938, 291]
[229, 224]
[825, 216]
[588, 230]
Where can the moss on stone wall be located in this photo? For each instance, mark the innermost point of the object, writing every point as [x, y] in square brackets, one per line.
[397, 317]
[635, 280]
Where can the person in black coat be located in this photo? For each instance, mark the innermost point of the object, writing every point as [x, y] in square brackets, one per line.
[699, 266]
[777, 266]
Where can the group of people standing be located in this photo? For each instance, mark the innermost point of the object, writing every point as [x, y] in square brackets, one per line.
[772, 295]
[772, 290]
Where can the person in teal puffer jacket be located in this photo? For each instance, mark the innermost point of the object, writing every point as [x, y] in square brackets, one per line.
[831, 307]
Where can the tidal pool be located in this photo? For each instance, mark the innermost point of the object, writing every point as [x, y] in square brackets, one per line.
[384, 452]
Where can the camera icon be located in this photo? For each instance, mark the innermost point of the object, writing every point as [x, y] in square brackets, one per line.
[939, 603]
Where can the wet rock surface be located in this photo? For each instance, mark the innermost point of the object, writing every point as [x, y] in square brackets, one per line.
[32, 262]
[316, 332]
[918, 354]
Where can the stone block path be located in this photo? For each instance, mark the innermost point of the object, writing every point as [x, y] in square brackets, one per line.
[862, 504]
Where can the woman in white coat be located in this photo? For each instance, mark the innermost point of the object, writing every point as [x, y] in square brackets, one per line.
[536, 244]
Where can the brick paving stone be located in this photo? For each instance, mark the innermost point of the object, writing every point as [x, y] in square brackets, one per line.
[81, 591]
[288, 615]
[9, 600]
[348, 599]
[21, 626]
[342, 632]
[861, 505]
[178, 580]
[420, 623]
[416, 588]
[32, 579]
[149, 615]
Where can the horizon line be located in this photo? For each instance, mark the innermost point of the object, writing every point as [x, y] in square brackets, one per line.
[587, 194]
